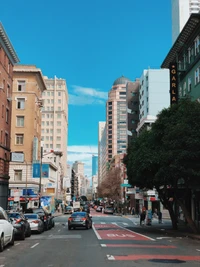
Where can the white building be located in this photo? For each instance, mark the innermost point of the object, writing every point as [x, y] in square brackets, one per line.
[102, 156]
[101, 128]
[154, 96]
[181, 10]
[55, 118]
[94, 185]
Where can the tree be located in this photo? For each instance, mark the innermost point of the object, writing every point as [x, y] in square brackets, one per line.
[167, 154]
[111, 186]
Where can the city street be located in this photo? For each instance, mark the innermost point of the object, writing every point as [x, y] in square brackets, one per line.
[113, 241]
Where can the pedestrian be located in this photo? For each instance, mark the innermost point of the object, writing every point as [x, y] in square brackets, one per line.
[133, 211]
[142, 217]
[103, 210]
[159, 217]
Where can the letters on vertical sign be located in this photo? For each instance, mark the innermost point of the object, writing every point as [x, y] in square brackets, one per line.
[173, 83]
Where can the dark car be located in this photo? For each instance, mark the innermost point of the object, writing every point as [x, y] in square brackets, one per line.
[68, 210]
[80, 219]
[46, 217]
[86, 208]
[21, 225]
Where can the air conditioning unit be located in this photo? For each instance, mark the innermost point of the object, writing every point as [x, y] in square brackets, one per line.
[9, 99]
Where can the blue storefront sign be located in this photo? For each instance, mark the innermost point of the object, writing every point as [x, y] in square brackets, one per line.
[36, 170]
[29, 192]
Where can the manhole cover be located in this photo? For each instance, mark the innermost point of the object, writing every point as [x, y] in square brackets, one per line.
[167, 261]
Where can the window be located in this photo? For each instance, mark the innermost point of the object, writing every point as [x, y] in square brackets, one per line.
[110, 117]
[189, 84]
[20, 121]
[109, 103]
[51, 138]
[59, 93]
[47, 138]
[52, 100]
[19, 139]
[59, 101]
[58, 138]
[43, 116]
[110, 127]
[58, 116]
[110, 113]
[58, 131]
[110, 151]
[196, 46]
[110, 108]
[21, 86]
[20, 103]
[47, 123]
[52, 93]
[47, 130]
[1, 141]
[110, 146]
[122, 93]
[180, 91]
[18, 175]
[110, 132]
[59, 108]
[196, 76]
[110, 137]
[6, 139]
[48, 93]
[2, 115]
[43, 123]
[184, 89]
[58, 146]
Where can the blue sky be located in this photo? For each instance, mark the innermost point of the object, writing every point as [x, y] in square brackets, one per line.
[89, 43]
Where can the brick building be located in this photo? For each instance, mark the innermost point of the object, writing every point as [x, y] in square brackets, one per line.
[8, 58]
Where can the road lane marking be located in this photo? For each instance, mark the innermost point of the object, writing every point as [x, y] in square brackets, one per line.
[137, 233]
[163, 237]
[103, 223]
[136, 246]
[104, 245]
[198, 249]
[17, 244]
[50, 235]
[2, 265]
[134, 257]
[59, 230]
[98, 236]
[35, 245]
[110, 257]
[125, 223]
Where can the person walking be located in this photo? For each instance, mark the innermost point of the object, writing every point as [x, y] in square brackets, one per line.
[142, 217]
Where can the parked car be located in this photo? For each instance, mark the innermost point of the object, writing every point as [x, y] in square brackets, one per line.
[21, 226]
[86, 209]
[108, 210]
[47, 218]
[35, 222]
[99, 208]
[80, 219]
[68, 210]
[6, 230]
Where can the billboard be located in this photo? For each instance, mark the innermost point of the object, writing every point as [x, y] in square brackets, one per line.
[36, 170]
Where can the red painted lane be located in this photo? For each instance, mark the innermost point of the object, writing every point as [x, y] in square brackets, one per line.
[106, 226]
[136, 246]
[117, 233]
[160, 257]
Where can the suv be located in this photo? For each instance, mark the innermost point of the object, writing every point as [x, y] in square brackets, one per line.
[6, 230]
[46, 217]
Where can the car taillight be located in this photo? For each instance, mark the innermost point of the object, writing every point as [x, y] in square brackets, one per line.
[45, 217]
[70, 219]
[83, 219]
[35, 221]
[18, 220]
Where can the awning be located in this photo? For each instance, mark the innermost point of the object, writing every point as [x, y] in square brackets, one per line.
[24, 198]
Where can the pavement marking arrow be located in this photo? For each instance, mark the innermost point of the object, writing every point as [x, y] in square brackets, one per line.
[110, 257]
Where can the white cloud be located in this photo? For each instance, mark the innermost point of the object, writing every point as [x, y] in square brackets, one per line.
[83, 154]
[87, 96]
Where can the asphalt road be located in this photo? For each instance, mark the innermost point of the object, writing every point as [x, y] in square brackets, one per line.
[113, 241]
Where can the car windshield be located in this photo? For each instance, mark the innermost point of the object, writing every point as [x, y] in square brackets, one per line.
[68, 208]
[31, 216]
[14, 215]
[79, 214]
[109, 208]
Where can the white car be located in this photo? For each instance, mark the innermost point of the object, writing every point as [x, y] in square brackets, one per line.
[6, 230]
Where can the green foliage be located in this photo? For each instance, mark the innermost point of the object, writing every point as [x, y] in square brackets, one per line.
[170, 150]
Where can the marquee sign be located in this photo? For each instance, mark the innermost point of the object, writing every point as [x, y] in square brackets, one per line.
[173, 83]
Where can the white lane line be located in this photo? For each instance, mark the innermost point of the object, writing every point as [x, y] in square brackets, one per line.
[103, 223]
[59, 230]
[35, 245]
[111, 257]
[198, 249]
[136, 233]
[113, 223]
[104, 245]
[2, 265]
[125, 223]
[98, 236]
[50, 235]
[163, 237]
[17, 244]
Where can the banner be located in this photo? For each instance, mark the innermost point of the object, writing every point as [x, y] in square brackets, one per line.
[36, 170]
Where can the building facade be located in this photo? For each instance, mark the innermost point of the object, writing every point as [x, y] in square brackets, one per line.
[132, 100]
[94, 165]
[153, 96]
[181, 11]
[55, 118]
[101, 129]
[8, 58]
[28, 85]
[116, 116]
[78, 167]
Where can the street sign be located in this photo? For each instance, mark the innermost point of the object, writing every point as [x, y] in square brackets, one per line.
[17, 157]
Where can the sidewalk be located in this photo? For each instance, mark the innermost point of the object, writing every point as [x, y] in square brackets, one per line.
[183, 229]
[56, 214]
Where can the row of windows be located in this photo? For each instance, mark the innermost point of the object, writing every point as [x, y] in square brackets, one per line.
[50, 93]
[5, 113]
[4, 138]
[58, 131]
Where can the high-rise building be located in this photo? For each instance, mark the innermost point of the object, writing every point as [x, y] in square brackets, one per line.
[116, 116]
[8, 58]
[78, 167]
[181, 11]
[94, 165]
[28, 85]
[132, 100]
[100, 134]
[55, 118]
[154, 96]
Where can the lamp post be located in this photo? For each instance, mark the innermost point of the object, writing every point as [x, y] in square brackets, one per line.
[40, 182]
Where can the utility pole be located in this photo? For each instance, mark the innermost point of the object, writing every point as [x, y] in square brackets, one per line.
[40, 183]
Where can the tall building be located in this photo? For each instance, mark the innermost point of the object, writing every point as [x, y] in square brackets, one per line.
[132, 100]
[94, 165]
[116, 116]
[154, 96]
[8, 58]
[55, 118]
[101, 128]
[28, 85]
[181, 11]
[78, 167]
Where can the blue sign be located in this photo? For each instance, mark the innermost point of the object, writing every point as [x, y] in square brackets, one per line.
[29, 192]
[125, 185]
[36, 170]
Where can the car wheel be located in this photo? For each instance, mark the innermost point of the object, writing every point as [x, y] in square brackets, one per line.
[23, 235]
[86, 227]
[29, 232]
[12, 240]
[1, 243]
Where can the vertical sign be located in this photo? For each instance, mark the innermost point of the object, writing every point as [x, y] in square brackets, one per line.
[173, 83]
